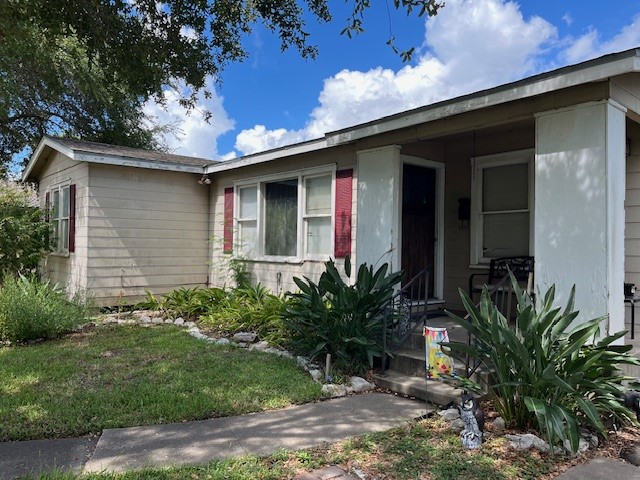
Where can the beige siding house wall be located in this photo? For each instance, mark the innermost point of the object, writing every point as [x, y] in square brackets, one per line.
[148, 230]
[68, 270]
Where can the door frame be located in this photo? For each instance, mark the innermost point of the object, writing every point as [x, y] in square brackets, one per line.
[438, 244]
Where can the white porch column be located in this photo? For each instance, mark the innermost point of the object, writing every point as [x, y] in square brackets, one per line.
[579, 208]
[379, 207]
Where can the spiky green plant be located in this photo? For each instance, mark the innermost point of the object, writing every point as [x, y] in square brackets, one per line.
[343, 320]
[548, 370]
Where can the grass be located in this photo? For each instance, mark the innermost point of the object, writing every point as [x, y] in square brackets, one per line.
[425, 449]
[120, 376]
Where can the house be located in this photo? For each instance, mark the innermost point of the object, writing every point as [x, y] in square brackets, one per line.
[547, 166]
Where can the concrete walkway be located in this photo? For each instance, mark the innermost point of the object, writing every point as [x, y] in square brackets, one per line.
[194, 443]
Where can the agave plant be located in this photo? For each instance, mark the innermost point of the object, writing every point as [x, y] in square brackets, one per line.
[342, 320]
[547, 371]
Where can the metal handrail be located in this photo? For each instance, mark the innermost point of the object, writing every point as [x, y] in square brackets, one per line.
[403, 312]
[499, 295]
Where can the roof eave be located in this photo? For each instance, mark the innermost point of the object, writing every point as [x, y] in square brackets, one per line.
[255, 159]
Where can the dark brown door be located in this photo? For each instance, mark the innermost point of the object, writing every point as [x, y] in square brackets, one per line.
[418, 221]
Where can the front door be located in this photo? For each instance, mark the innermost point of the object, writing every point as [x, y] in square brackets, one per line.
[418, 222]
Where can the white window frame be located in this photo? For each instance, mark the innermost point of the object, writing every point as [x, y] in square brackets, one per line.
[60, 248]
[301, 243]
[242, 220]
[478, 164]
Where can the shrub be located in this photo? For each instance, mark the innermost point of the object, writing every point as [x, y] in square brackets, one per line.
[342, 320]
[546, 373]
[184, 302]
[24, 233]
[31, 309]
[249, 308]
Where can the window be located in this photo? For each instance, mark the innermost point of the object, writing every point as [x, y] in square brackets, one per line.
[281, 218]
[502, 197]
[290, 217]
[247, 220]
[317, 215]
[61, 217]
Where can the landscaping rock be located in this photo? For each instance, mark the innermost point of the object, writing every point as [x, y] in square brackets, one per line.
[333, 390]
[316, 374]
[245, 337]
[178, 321]
[223, 341]
[498, 425]
[190, 324]
[242, 344]
[583, 446]
[359, 384]
[450, 414]
[168, 321]
[260, 346]
[456, 424]
[145, 319]
[526, 441]
[274, 350]
[631, 455]
[302, 362]
[157, 320]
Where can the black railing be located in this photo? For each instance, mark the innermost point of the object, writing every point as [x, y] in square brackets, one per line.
[404, 312]
[501, 295]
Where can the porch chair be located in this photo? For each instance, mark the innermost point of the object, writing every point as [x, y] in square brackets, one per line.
[520, 266]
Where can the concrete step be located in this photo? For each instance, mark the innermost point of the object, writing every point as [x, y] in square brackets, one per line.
[433, 391]
[412, 362]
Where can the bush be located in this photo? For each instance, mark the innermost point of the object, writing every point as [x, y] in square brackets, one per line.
[31, 309]
[184, 302]
[24, 233]
[546, 373]
[343, 320]
[249, 308]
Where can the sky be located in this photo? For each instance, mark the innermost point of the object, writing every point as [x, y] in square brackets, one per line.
[276, 98]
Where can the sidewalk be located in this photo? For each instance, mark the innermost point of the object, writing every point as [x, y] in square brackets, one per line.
[192, 443]
[199, 442]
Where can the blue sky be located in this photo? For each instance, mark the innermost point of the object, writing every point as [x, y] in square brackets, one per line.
[273, 98]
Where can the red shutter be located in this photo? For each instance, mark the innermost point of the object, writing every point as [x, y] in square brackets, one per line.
[228, 220]
[72, 217]
[342, 246]
[47, 206]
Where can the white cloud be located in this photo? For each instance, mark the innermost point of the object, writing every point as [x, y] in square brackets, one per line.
[470, 45]
[192, 134]
[590, 45]
[567, 18]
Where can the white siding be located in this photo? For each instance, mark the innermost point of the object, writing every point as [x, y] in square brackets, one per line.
[148, 230]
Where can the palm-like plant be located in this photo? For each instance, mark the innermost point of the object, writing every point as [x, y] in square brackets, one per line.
[343, 320]
[547, 371]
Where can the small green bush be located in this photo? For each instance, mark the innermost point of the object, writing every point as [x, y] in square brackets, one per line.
[249, 308]
[31, 309]
[184, 302]
[24, 233]
[343, 320]
[547, 373]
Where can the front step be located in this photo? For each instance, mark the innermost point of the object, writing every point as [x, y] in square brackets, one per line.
[433, 391]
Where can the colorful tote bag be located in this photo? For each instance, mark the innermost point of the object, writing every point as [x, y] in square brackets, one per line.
[438, 363]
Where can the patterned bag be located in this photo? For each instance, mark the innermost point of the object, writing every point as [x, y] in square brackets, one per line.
[438, 363]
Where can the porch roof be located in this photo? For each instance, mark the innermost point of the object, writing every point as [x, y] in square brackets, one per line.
[595, 70]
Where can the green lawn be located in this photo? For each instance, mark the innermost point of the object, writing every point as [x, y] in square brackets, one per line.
[119, 376]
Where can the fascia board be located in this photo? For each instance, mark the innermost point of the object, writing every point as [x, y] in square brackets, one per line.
[134, 162]
[258, 158]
